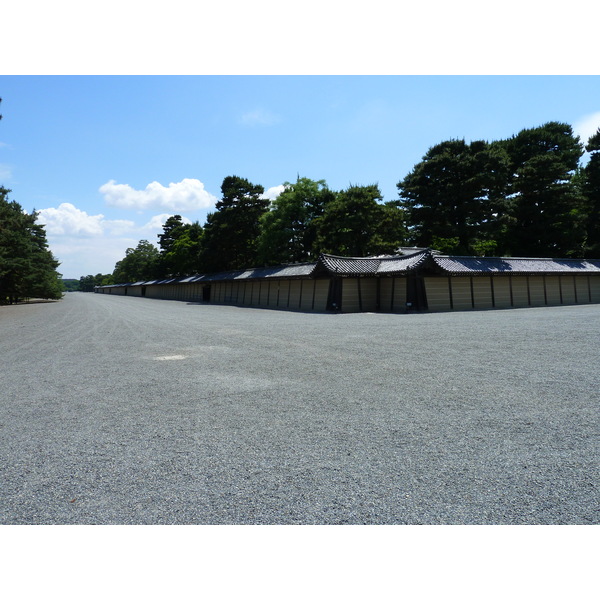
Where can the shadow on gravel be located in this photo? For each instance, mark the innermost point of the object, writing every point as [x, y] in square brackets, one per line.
[30, 301]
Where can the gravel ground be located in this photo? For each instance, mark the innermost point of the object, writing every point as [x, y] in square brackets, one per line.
[121, 410]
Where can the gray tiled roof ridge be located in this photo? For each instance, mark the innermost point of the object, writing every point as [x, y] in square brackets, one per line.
[387, 264]
[508, 264]
[539, 258]
[375, 257]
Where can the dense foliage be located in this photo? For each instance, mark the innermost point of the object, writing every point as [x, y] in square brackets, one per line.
[27, 267]
[524, 196]
[288, 231]
[590, 187]
[140, 263]
[231, 232]
[70, 285]
[87, 283]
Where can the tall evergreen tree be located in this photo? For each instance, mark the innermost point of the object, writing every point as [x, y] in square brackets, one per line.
[591, 191]
[548, 212]
[172, 229]
[454, 195]
[28, 268]
[180, 245]
[231, 232]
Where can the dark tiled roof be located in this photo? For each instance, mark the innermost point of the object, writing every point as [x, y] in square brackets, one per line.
[475, 265]
[391, 265]
[341, 265]
[299, 270]
[372, 265]
[402, 264]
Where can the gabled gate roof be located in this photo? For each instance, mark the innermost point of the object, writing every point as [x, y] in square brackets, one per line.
[372, 265]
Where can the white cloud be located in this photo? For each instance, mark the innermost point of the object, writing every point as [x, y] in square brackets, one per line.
[69, 220]
[259, 116]
[273, 192]
[587, 126]
[188, 194]
[89, 244]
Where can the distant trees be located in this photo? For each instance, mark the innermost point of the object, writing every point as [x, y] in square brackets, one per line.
[70, 285]
[140, 264]
[523, 196]
[248, 230]
[27, 266]
[87, 283]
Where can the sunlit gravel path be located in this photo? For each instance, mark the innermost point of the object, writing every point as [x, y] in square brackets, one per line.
[120, 410]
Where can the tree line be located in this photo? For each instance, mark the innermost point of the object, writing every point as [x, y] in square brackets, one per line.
[246, 230]
[524, 196]
[528, 195]
[27, 266]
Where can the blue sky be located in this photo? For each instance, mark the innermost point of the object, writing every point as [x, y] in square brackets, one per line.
[107, 158]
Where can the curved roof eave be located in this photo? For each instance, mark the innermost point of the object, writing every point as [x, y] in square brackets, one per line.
[344, 266]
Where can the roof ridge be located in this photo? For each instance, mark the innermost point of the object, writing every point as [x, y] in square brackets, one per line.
[537, 258]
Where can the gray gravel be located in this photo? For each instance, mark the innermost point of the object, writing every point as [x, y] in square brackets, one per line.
[120, 410]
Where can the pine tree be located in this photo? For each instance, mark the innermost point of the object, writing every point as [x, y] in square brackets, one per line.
[454, 195]
[179, 247]
[231, 233]
[27, 266]
[547, 211]
[591, 191]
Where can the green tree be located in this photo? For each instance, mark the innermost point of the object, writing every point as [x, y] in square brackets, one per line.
[547, 211]
[70, 285]
[104, 279]
[289, 229]
[231, 232]
[28, 268]
[140, 264]
[591, 191]
[87, 283]
[180, 245]
[172, 229]
[455, 196]
[355, 223]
